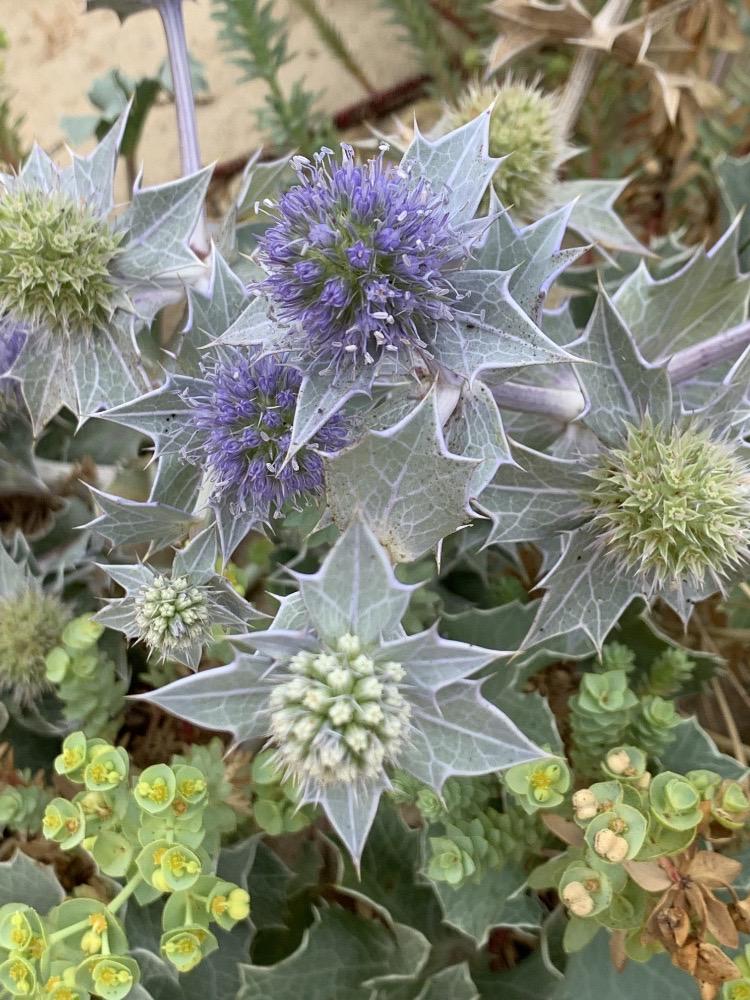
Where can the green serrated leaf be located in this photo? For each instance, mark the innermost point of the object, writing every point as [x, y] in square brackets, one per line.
[337, 957]
[497, 901]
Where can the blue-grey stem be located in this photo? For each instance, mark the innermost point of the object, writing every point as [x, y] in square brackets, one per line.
[184, 99]
[566, 405]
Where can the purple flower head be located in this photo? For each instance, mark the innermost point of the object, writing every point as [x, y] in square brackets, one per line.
[360, 258]
[246, 409]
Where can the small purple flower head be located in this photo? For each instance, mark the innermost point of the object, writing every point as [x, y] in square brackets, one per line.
[246, 410]
[360, 258]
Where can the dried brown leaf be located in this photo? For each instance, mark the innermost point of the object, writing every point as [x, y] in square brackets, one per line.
[713, 870]
[649, 875]
[566, 831]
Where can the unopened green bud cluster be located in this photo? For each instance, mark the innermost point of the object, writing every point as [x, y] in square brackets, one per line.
[172, 614]
[340, 717]
[154, 830]
[85, 678]
[31, 624]
[525, 127]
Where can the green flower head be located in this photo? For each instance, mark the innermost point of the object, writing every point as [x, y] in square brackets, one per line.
[111, 977]
[540, 784]
[156, 788]
[56, 260]
[451, 860]
[31, 624]
[525, 127]
[672, 505]
[172, 614]
[675, 802]
[65, 823]
[185, 947]
[731, 806]
[18, 976]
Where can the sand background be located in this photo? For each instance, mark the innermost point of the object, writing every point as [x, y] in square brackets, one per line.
[56, 51]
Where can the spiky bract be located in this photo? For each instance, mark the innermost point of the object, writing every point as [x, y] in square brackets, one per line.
[360, 258]
[340, 716]
[246, 409]
[672, 505]
[525, 127]
[12, 339]
[31, 624]
[55, 258]
[172, 614]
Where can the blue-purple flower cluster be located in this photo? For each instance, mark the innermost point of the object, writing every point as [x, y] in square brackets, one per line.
[245, 410]
[360, 258]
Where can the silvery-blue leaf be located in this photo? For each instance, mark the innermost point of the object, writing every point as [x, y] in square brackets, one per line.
[161, 414]
[105, 372]
[322, 394]
[198, 558]
[583, 591]
[457, 163]
[232, 526]
[338, 954]
[490, 330]
[14, 574]
[705, 297]
[536, 498]
[432, 662]
[252, 327]
[128, 522]
[351, 810]
[533, 254]
[212, 311]
[279, 644]
[620, 386]
[232, 698]
[176, 483]
[404, 482]
[733, 176]
[593, 216]
[93, 175]
[159, 222]
[457, 731]
[39, 171]
[355, 590]
[129, 577]
[476, 431]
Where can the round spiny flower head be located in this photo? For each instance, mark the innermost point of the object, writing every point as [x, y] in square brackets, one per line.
[246, 412]
[31, 625]
[526, 124]
[55, 258]
[673, 505]
[172, 614]
[340, 717]
[360, 258]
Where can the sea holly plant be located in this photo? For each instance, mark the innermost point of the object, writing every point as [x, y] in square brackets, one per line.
[650, 500]
[343, 695]
[176, 612]
[79, 284]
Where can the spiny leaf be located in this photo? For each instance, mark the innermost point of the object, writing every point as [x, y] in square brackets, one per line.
[404, 482]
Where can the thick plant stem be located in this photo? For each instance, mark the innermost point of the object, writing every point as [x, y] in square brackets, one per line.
[691, 361]
[586, 63]
[567, 405]
[182, 84]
